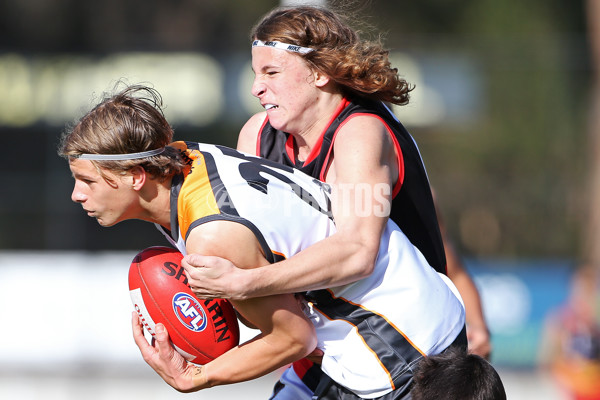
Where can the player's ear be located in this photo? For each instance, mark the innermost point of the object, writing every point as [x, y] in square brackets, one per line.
[320, 79]
[138, 177]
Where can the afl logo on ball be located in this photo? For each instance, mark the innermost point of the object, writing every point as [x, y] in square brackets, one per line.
[189, 311]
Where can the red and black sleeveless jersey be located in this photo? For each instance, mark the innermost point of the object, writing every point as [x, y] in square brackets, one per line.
[412, 205]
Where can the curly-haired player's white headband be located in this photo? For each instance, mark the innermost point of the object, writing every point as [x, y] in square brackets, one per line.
[119, 157]
[282, 46]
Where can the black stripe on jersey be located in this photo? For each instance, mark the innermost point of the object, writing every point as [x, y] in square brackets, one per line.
[226, 208]
[251, 171]
[228, 151]
[395, 352]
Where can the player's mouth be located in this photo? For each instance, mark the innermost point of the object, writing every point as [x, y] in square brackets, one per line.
[269, 107]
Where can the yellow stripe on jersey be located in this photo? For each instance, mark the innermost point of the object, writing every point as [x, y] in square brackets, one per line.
[196, 198]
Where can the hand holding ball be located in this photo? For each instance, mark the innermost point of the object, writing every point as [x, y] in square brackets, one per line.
[200, 330]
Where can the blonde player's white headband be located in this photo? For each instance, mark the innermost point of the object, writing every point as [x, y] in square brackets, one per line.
[282, 46]
[119, 157]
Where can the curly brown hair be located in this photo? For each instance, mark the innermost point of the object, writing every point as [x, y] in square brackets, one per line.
[359, 66]
[128, 122]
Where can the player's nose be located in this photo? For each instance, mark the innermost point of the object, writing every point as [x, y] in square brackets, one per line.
[77, 196]
[258, 88]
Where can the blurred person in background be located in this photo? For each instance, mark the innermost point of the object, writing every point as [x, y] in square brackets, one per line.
[324, 91]
[570, 349]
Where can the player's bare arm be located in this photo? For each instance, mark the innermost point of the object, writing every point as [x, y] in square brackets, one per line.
[363, 172]
[286, 333]
[478, 333]
[249, 133]
[361, 177]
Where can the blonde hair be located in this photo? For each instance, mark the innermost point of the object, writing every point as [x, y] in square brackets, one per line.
[358, 66]
[127, 122]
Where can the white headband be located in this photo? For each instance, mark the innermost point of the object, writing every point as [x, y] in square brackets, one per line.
[119, 157]
[283, 46]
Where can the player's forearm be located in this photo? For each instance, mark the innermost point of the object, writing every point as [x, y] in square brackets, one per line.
[331, 262]
[477, 330]
[252, 360]
[466, 287]
[287, 335]
[468, 291]
[470, 295]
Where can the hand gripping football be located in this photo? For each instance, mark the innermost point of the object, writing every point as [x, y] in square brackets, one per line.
[200, 330]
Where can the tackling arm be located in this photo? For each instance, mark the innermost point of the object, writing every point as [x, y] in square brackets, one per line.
[362, 175]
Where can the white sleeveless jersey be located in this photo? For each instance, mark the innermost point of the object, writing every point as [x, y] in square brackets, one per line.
[283, 207]
[372, 331]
